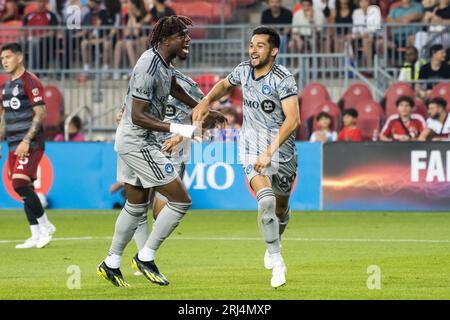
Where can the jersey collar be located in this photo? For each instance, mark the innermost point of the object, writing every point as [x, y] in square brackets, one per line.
[263, 76]
[162, 59]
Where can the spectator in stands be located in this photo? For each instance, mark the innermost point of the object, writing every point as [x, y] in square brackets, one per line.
[278, 15]
[435, 70]
[325, 6]
[100, 15]
[366, 21]
[350, 132]
[75, 134]
[438, 124]
[8, 10]
[230, 131]
[130, 35]
[311, 20]
[437, 19]
[404, 126]
[411, 67]
[324, 134]
[429, 5]
[341, 14]
[408, 12]
[41, 42]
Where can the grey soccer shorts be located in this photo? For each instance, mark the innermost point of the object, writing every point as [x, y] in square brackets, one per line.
[146, 168]
[282, 174]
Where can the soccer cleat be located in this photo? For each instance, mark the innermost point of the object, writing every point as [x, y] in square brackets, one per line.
[28, 244]
[112, 275]
[268, 261]
[278, 275]
[45, 236]
[150, 271]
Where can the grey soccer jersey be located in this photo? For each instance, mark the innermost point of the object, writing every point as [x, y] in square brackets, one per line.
[177, 111]
[262, 111]
[150, 82]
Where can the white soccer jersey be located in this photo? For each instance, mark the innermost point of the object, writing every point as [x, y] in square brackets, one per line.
[151, 82]
[439, 129]
[262, 111]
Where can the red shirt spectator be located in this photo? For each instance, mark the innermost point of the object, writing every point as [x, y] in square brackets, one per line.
[8, 10]
[350, 134]
[398, 130]
[40, 18]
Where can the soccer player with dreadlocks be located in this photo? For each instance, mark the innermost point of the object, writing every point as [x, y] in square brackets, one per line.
[141, 165]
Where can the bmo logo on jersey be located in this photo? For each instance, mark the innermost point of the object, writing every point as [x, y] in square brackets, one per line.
[218, 176]
[268, 106]
[170, 111]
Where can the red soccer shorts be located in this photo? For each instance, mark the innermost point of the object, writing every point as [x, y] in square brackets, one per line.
[27, 165]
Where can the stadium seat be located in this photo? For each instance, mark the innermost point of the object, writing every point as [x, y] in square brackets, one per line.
[54, 102]
[370, 115]
[441, 90]
[3, 78]
[217, 13]
[206, 81]
[312, 96]
[393, 93]
[10, 34]
[178, 7]
[355, 93]
[199, 9]
[332, 109]
[420, 108]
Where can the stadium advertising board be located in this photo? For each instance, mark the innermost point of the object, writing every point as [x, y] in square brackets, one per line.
[79, 176]
[386, 176]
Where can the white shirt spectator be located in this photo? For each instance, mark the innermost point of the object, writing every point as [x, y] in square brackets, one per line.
[331, 136]
[299, 19]
[439, 129]
[319, 4]
[369, 23]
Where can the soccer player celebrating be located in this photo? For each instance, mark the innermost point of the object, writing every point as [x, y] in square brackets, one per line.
[267, 148]
[141, 165]
[22, 116]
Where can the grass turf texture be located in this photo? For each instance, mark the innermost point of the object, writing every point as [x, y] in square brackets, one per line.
[322, 262]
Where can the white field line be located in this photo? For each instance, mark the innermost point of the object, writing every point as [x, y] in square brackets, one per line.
[256, 239]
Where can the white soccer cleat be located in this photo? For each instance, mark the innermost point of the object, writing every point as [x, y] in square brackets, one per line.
[46, 235]
[268, 264]
[278, 275]
[28, 244]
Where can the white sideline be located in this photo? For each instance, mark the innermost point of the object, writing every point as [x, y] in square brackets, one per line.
[256, 239]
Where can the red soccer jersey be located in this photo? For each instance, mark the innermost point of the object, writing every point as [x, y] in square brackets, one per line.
[40, 19]
[395, 129]
[350, 134]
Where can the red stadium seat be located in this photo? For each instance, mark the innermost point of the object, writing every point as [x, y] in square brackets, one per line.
[11, 33]
[312, 96]
[393, 93]
[198, 9]
[441, 90]
[54, 102]
[178, 7]
[206, 81]
[355, 93]
[332, 109]
[420, 108]
[217, 13]
[370, 115]
[3, 78]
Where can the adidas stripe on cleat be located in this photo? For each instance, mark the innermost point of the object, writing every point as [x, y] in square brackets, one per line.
[150, 271]
[112, 275]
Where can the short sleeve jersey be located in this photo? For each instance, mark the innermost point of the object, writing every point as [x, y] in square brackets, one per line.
[150, 82]
[262, 110]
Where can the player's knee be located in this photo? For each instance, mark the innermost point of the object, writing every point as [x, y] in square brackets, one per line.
[179, 207]
[22, 187]
[266, 205]
[136, 210]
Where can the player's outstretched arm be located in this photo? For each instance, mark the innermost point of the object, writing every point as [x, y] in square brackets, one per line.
[141, 119]
[290, 124]
[222, 88]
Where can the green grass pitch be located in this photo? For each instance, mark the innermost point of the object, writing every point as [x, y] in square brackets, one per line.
[219, 255]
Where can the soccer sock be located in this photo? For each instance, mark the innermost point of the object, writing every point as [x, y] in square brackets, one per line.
[29, 197]
[284, 220]
[168, 220]
[30, 216]
[43, 220]
[141, 234]
[126, 224]
[34, 228]
[267, 219]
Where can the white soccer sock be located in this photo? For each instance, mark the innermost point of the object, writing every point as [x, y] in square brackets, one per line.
[146, 254]
[113, 261]
[34, 231]
[43, 220]
[276, 257]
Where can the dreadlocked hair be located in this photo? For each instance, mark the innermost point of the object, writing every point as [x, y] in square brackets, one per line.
[167, 26]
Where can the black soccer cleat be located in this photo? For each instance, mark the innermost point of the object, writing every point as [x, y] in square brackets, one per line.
[150, 271]
[112, 275]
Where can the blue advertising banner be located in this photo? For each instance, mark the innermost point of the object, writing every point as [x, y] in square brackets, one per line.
[79, 176]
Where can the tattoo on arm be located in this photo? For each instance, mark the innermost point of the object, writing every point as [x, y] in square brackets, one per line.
[36, 124]
[2, 126]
